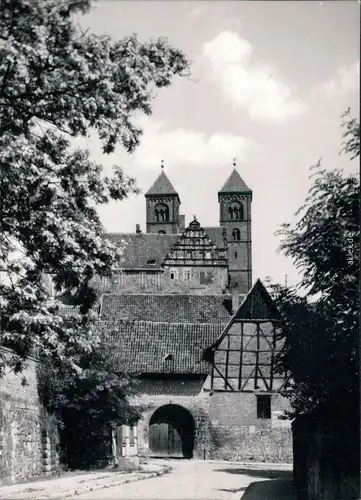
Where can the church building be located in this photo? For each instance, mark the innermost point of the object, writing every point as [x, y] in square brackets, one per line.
[185, 318]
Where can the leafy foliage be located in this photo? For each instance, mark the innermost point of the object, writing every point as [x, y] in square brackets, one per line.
[351, 135]
[322, 338]
[88, 406]
[58, 82]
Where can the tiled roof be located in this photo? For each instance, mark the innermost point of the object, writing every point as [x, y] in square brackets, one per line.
[65, 310]
[235, 184]
[172, 308]
[216, 235]
[162, 185]
[139, 248]
[140, 347]
[68, 310]
[175, 386]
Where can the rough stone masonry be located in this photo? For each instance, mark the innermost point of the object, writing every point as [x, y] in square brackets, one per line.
[28, 434]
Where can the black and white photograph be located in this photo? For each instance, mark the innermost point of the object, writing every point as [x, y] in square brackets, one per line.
[180, 249]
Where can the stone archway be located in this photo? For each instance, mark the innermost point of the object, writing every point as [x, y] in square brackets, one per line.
[171, 432]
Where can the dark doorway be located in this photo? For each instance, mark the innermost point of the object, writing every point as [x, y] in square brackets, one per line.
[171, 432]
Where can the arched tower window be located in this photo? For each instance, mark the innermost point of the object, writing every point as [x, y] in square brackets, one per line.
[235, 211]
[236, 234]
[162, 213]
[161, 232]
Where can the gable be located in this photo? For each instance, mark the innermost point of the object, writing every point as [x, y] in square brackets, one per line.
[195, 247]
[244, 355]
[258, 304]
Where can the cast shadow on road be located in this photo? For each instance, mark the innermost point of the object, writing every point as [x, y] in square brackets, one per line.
[278, 485]
[267, 474]
[277, 489]
[234, 490]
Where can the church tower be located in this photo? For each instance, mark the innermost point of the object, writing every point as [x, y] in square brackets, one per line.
[235, 199]
[162, 202]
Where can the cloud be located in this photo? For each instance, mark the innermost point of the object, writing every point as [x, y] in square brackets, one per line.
[346, 80]
[248, 84]
[186, 146]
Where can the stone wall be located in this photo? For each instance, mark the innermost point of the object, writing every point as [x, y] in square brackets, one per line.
[226, 426]
[196, 405]
[237, 434]
[28, 435]
[188, 280]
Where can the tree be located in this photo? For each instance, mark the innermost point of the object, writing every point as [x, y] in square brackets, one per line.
[56, 83]
[88, 406]
[323, 325]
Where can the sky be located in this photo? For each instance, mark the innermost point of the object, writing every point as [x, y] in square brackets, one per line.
[269, 83]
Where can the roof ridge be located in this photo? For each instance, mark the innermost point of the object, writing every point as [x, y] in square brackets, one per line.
[138, 322]
[169, 294]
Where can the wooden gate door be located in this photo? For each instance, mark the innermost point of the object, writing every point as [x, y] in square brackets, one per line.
[164, 440]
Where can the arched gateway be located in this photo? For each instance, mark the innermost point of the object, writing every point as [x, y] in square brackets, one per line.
[171, 432]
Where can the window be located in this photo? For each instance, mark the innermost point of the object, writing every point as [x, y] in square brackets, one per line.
[186, 274]
[235, 211]
[132, 435]
[151, 262]
[174, 274]
[161, 212]
[142, 279]
[159, 280]
[235, 255]
[236, 234]
[263, 406]
[161, 232]
[202, 277]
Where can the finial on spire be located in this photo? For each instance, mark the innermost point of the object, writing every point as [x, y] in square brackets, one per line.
[234, 162]
[162, 164]
[194, 217]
